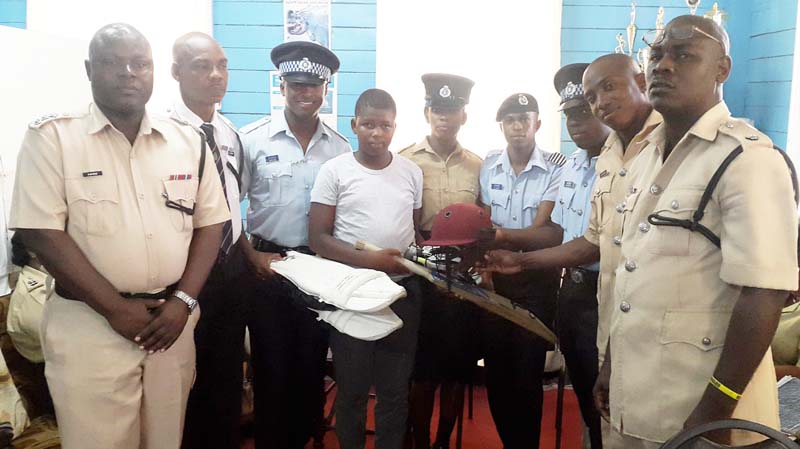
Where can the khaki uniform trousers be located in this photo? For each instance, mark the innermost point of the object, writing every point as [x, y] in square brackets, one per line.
[616, 440]
[108, 393]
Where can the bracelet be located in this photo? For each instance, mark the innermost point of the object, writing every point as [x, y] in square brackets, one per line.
[725, 390]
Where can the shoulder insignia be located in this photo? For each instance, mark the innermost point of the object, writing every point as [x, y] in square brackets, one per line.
[250, 127]
[407, 148]
[493, 153]
[556, 158]
[179, 120]
[336, 132]
[472, 155]
[48, 118]
[744, 133]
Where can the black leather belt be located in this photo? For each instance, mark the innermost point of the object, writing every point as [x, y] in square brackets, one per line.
[62, 292]
[265, 246]
[582, 275]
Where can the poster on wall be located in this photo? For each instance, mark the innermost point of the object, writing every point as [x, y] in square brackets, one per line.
[307, 20]
[328, 111]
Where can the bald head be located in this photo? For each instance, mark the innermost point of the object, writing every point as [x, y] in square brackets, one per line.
[188, 45]
[613, 85]
[706, 25]
[614, 63]
[115, 33]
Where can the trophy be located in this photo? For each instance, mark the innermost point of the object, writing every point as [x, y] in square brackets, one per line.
[715, 14]
[660, 19]
[620, 48]
[693, 5]
[631, 29]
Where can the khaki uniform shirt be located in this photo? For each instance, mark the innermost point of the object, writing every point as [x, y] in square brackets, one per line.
[786, 344]
[78, 173]
[605, 224]
[675, 290]
[445, 182]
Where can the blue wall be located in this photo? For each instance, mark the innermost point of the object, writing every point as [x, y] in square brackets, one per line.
[248, 30]
[13, 13]
[762, 45]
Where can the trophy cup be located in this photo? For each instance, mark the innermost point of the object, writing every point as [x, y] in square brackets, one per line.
[620, 48]
[631, 29]
[693, 5]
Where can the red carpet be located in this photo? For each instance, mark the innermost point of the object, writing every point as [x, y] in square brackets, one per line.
[479, 432]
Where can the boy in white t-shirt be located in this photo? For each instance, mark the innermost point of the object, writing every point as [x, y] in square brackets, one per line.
[375, 196]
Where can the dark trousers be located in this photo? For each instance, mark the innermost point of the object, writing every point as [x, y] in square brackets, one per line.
[515, 359]
[387, 364]
[288, 350]
[214, 409]
[577, 335]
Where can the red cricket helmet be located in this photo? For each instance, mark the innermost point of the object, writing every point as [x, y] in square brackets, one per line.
[458, 224]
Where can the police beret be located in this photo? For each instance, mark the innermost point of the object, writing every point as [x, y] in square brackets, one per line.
[446, 91]
[569, 85]
[304, 62]
[517, 103]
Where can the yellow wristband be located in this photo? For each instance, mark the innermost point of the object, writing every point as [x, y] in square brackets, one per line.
[725, 390]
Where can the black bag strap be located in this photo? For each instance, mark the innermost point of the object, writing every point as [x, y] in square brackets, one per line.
[694, 225]
[240, 159]
[202, 166]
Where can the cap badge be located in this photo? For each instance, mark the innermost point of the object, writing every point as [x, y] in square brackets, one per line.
[305, 64]
[444, 92]
[523, 100]
[570, 89]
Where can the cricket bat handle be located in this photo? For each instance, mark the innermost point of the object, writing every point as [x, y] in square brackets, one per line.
[412, 267]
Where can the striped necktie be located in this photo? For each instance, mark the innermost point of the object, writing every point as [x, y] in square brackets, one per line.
[227, 228]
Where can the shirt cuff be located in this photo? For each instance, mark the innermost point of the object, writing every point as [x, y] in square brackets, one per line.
[775, 278]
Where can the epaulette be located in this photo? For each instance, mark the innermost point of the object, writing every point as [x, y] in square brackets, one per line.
[179, 120]
[744, 133]
[250, 127]
[49, 118]
[493, 153]
[336, 132]
[555, 158]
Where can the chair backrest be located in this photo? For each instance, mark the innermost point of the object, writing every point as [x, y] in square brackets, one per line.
[690, 438]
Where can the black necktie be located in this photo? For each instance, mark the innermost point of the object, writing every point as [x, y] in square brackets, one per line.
[227, 228]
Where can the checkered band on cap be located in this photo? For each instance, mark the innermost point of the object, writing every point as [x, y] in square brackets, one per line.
[305, 66]
[570, 91]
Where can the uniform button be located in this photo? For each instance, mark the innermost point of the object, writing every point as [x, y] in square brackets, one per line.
[579, 212]
[655, 189]
[141, 196]
[150, 235]
[625, 306]
[644, 227]
[444, 170]
[617, 240]
[630, 266]
[621, 207]
[623, 172]
[729, 125]
[585, 184]
[706, 341]
[560, 201]
[306, 186]
[516, 191]
[674, 204]
[514, 218]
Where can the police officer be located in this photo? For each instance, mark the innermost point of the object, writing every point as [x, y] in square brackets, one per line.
[577, 298]
[214, 409]
[445, 355]
[112, 202]
[283, 154]
[520, 186]
[715, 296]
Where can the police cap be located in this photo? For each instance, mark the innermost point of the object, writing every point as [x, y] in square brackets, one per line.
[304, 62]
[569, 85]
[443, 90]
[520, 102]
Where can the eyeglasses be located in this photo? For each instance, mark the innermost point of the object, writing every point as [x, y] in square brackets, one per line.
[140, 67]
[657, 37]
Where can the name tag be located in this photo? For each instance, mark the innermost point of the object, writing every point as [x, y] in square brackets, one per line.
[273, 158]
[89, 174]
[497, 186]
[569, 184]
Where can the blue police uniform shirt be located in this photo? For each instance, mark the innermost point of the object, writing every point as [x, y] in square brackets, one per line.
[514, 199]
[574, 204]
[278, 177]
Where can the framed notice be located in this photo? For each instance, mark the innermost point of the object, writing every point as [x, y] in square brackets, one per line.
[307, 20]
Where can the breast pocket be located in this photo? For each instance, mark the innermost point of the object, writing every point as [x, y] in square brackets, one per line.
[466, 191]
[181, 194]
[674, 240]
[94, 207]
[278, 177]
[499, 199]
[602, 200]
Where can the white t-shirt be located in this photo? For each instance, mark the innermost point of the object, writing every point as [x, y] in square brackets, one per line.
[376, 206]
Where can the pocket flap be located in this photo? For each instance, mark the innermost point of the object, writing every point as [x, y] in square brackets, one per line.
[183, 189]
[703, 329]
[92, 189]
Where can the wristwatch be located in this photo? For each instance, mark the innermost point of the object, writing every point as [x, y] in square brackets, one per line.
[190, 302]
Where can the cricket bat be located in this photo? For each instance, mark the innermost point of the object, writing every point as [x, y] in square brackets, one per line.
[485, 299]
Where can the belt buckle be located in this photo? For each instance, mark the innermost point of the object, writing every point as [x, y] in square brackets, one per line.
[576, 276]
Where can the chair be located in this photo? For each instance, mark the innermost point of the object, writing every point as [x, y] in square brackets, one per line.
[691, 438]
